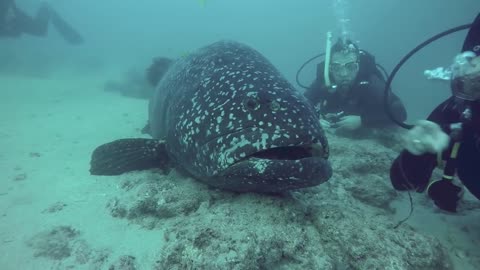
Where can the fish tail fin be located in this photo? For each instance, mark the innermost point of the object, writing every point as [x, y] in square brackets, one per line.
[157, 69]
[124, 155]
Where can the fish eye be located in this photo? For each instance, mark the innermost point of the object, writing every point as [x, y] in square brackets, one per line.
[251, 104]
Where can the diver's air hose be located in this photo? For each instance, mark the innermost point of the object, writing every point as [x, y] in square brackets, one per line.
[297, 76]
[326, 73]
[404, 59]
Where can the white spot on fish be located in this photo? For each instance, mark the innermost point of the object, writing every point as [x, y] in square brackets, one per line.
[261, 165]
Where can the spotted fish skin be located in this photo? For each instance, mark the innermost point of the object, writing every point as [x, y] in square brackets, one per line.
[233, 121]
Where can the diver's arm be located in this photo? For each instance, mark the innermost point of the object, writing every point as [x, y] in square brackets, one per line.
[372, 106]
[5, 5]
[37, 25]
[18, 22]
[410, 171]
[8, 16]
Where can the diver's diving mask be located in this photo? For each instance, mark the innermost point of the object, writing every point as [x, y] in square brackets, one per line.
[349, 67]
[465, 81]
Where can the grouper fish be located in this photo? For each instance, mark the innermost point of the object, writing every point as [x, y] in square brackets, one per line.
[225, 115]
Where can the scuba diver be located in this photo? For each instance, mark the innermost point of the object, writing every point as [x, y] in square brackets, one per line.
[348, 94]
[15, 22]
[449, 138]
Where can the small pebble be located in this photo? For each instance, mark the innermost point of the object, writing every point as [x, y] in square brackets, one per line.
[20, 177]
[56, 207]
[35, 154]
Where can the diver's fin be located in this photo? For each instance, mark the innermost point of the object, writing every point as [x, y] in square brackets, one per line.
[66, 30]
[157, 69]
[126, 155]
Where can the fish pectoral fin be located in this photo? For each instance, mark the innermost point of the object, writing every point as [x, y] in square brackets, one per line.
[125, 155]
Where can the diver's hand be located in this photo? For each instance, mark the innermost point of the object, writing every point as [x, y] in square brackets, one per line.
[349, 122]
[426, 137]
[325, 124]
[445, 194]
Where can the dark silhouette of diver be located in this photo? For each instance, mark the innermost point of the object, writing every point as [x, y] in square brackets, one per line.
[457, 120]
[15, 22]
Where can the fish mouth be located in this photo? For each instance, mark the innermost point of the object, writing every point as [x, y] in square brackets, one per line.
[259, 160]
[279, 169]
[290, 152]
[303, 146]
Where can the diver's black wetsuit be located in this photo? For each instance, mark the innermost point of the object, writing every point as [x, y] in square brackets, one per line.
[364, 99]
[413, 172]
[14, 22]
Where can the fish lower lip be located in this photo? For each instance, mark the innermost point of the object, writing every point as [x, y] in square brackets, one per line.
[266, 175]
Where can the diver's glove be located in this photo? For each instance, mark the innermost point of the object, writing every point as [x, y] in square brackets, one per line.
[349, 122]
[325, 124]
[426, 137]
[330, 120]
[445, 194]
